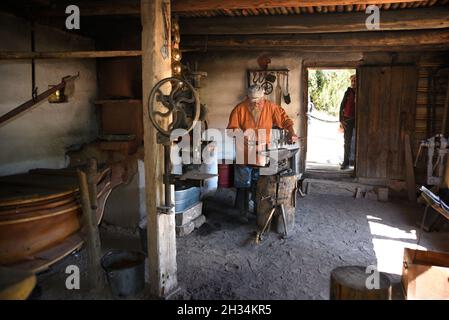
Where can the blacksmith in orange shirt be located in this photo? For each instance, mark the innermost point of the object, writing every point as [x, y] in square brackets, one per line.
[251, 115]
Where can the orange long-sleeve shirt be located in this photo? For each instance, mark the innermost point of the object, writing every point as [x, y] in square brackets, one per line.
[270, 115]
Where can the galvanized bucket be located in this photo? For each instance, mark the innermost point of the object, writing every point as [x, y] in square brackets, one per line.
[125, 271]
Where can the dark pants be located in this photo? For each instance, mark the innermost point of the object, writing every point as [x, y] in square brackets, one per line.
[348, 125]
[245, 180]
[242, 201]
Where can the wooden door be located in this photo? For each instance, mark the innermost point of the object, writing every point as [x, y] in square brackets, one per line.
[303, 130]
[386, 100]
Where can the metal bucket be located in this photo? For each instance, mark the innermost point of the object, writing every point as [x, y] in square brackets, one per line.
[125, 271]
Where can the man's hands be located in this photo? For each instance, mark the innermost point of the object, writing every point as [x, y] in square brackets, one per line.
[291, 136]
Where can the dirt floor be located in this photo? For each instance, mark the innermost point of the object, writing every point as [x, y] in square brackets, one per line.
[219, 260]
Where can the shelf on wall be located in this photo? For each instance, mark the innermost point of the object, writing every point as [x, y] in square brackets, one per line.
[114, 101]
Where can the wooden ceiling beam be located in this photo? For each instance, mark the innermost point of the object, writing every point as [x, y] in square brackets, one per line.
[406, 19]
[333, 49]
[204, 5]
[353, 39]
[11, 55]
[91, 8]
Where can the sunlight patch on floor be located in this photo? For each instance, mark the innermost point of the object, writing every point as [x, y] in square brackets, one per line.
[389, 243]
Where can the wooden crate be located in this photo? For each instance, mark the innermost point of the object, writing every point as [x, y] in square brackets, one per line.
[119, 78]
[122, 117]
[425, 274]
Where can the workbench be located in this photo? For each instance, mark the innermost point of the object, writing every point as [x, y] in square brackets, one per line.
[435, 202]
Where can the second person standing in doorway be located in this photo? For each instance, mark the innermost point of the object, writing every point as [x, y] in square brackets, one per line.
[347, 119]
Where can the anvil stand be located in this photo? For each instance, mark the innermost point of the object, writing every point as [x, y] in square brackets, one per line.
[276, 207]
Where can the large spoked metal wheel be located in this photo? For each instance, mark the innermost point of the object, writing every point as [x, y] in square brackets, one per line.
[173, 104]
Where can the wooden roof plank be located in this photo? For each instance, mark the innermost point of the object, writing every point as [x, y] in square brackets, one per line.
[360, 39]
[199, 5]
[188, 7]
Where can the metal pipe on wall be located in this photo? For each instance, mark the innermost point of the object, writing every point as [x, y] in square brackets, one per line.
[446, 106]
[33, 66]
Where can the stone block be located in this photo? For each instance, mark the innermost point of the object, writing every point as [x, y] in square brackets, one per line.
[189, 214]
[198, 222]
[185, 229]
[371, 195]
[382, 194]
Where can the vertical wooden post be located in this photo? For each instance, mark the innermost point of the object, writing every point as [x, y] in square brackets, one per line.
[446, 109]
[91, 234]
[92, 184]
[303, 110]
[161, 228]
[409, 170]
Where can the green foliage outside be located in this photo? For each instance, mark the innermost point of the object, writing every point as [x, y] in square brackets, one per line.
[327, 87]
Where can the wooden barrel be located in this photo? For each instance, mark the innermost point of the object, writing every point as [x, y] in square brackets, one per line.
[266, 187]
[43, 205]
[350, 283]
[39, 211]
[24, 235]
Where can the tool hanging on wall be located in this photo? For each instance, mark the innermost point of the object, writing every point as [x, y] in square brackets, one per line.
[165, 48]
[257, 78]
[270, 77]
[278, 91]
[287, 98]
[267, 78]
[33, 67]
[267, 87]
[30, 103]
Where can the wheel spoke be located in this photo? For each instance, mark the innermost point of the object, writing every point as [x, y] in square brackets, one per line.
[164, 99]
[162, 114]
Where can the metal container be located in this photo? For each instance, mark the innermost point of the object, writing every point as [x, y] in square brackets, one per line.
[125, 271]
[225, 175]
[186, 197]
[209, 165]
[295, 163]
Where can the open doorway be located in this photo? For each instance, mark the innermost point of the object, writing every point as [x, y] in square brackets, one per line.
[326, 89]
